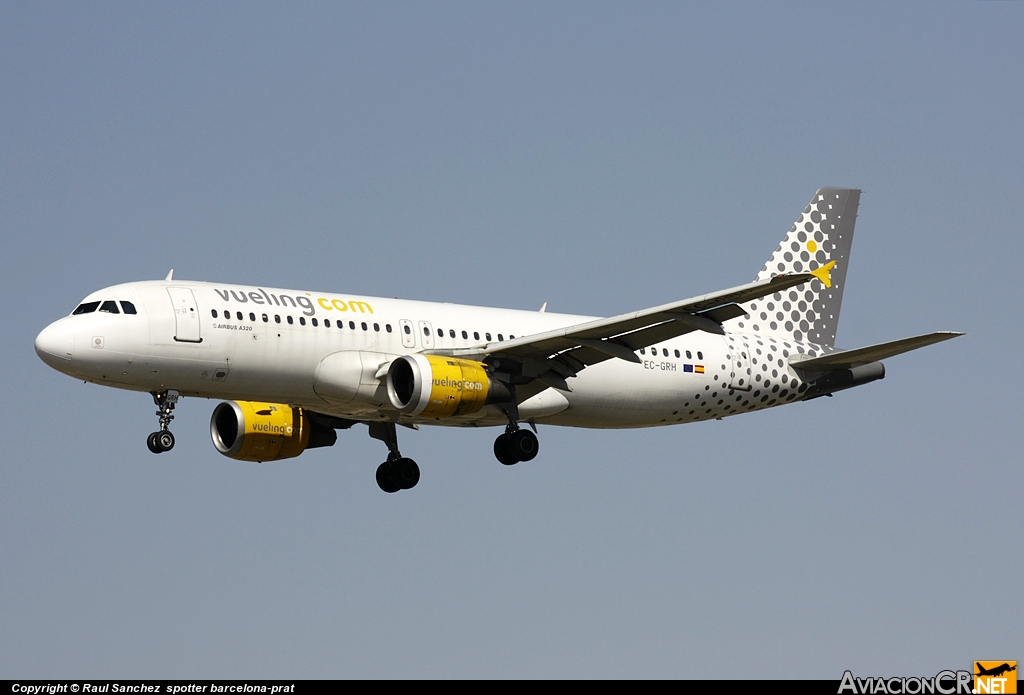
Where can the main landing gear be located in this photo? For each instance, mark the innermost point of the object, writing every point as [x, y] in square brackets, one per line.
[398, 472]
[516, 445]
[162, 440]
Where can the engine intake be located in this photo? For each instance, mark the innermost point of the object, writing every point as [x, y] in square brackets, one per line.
[441, 387]
[249, 431]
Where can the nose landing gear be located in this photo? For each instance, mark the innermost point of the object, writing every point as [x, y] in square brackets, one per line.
[516, 445]
[162, 440]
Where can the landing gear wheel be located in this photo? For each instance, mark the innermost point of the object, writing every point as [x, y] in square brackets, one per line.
[384, 478]
[398, 472]
[159, 442]
[165, 440]
[405, 473]
[523, 445]
[503, 450]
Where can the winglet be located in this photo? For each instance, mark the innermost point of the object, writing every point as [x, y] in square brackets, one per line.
[823, 273]
[543, 307]
[170, 276]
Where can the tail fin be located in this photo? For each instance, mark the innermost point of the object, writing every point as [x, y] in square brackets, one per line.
[819, 242]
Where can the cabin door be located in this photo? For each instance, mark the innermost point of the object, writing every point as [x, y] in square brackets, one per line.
[741, 376]
[186, 315]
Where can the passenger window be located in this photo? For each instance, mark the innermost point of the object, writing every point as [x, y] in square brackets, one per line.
[700, 355]
[239, 315]
[451, 332]
[408, 331]
[314, 322]
[266, 319]
[110, 308]
[677, 353]
[465, 335]
[290, 321]
[476, 336]
[511, 337]
[128, 307]
[440, 332]
[352, 325]
[214, 312]
[642, 351]
[327, 323]
[388, 327]
[500, 338]
[302, 320]
[376, 327]
[488, 336]
[277, 318]
[688, 355]
[363, 325]
[252, 316]
[426, 331]
[86, 308]
[664, 352]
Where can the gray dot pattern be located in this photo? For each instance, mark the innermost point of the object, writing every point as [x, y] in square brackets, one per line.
[808, 313]
[762, 378]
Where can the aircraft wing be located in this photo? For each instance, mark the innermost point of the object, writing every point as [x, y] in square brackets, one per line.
[847, 359]
[553, 356]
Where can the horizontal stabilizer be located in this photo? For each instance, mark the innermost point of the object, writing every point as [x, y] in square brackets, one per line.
[847, 359]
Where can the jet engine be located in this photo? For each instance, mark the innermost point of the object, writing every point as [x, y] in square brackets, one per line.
[250, 431]
[439, 387]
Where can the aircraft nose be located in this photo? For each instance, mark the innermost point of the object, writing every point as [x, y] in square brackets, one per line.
[55, 344]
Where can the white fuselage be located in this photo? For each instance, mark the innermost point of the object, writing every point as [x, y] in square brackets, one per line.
[261, 344]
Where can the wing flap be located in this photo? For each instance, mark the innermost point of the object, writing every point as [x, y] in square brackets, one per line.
[847, 359]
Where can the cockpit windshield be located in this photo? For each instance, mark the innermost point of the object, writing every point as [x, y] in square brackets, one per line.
[86, 308]
[109, 307]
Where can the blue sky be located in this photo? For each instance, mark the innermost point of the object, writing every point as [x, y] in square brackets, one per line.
[601, 157]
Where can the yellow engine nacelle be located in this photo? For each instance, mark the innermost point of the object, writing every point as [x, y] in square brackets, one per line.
[250, 431]
[435, 386]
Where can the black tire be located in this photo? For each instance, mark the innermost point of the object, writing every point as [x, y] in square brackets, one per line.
[384, 478]
[165, 440]
[524, 445]
[152, 443]
[405, 473]
[503, 451]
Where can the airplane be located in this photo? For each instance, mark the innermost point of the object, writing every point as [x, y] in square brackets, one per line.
[294, 366]
[996, 671]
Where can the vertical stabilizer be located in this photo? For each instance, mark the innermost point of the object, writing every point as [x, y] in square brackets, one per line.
[819, 242]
